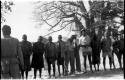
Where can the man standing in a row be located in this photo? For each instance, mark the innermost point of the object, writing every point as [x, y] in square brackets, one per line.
[84, 44]
[61, 53]
[26, 47]
[37, 60]
[76, 53]
[50, 55]
[11, 55]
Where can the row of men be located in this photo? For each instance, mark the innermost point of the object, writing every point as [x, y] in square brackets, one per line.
[15, 58]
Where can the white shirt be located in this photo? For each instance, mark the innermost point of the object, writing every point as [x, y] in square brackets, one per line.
[84, 40]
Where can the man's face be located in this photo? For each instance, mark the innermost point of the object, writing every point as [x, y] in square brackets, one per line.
[122, 36]
[50, 39]
[96, 31]
[83, 33]
[60, 38]
[24, 37]
[40, 39]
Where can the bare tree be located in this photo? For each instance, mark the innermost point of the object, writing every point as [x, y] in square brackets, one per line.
[71, 14]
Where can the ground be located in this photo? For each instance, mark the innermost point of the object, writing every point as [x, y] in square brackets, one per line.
[108, 74]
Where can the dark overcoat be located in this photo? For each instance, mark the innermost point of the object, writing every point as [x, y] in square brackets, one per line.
[38, 51]
[96, 49]
[26, 47]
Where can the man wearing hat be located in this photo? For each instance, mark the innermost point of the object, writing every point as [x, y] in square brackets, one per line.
[84, 44]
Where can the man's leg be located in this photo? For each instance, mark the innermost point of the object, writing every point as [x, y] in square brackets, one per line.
[95, 66]
[90, 62]
[113, 60]
[40, 71]
[72, 64]
[110, 62]
[22, 73]
[85, 62]
[14, 71]
[5, 76]
[63, 67]
[77, 58]
[35, 71]
[49, 68]
[104, 62]
[54, 69]
[98, 66]
[26, 74]
[66, 64]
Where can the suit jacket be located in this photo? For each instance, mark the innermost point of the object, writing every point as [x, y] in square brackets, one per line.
[50, 50]
[62, 49]
[11, 53]
[26, 47]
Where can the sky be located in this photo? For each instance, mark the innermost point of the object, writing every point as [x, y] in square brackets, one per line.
[21, 22]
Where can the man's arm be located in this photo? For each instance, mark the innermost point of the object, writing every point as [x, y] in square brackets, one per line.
[30, 47]
[20, 55]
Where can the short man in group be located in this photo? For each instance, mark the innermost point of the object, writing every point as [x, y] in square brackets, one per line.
[51, 55]
[26, 47]
[84, 44]
[37, 60]
[11, 56]
[61, 53]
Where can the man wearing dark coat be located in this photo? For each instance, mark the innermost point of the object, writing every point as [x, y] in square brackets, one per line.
[11, 56]
[26, 47]
[37, 60]
[96, 48]
[61, 53]
[50, 55]
[121, 49]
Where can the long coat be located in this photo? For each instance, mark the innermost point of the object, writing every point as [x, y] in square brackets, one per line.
[38, 51]
[96, 49]
[121, 46]
[11, 58]
[26, 47]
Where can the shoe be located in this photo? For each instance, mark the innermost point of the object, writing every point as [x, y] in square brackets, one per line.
[71, 73]
[34, 78]
[85, 71]
[49, 77]
[59, 75]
